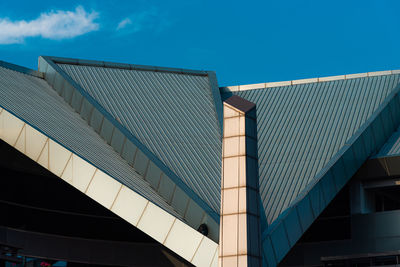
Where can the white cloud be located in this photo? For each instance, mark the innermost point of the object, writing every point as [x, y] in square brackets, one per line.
[53, 25]
[124, 23]
[150, 19]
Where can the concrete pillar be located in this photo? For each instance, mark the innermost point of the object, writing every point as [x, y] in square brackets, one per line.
[239, 225]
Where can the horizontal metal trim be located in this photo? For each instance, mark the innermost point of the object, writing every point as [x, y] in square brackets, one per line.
[21, 69]
[246, 87]
[243, 212]
[239, 155]
[242, 186]
[114, 65]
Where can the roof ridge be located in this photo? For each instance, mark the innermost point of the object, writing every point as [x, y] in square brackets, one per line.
[129, 135]
[21, 69]
[255, 86]
[115, 65]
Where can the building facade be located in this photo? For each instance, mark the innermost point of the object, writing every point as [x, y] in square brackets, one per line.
[295, 173]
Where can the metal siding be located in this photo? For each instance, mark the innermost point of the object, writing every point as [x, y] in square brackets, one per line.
[301, 127]
[269, 253]
[293, 227]
[342, 166]
[32, 100]
[392, 147]
[172, 114]
[280, 242]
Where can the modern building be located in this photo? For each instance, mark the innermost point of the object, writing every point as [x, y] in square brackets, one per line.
[129, 165]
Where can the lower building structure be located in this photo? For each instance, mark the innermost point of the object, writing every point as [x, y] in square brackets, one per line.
[130, 165]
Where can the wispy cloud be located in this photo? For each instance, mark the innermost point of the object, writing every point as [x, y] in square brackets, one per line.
[52, 25]
[124, 23]
[151, 19]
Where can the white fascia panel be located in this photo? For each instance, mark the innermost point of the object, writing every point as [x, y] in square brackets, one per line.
[103, 189]
[68, 171]
[155, 222]
[82, 173]
[151, 219]
[129, 205]
[183, 240]
[205, 253]
[35, 142]
[20, 144]
[58, 158]
[11, 128]
[43, 159]
[215, 262]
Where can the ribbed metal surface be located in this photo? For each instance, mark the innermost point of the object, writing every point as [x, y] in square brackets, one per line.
[172, 114]
[35, 102]
[392, 147]
[301, 127]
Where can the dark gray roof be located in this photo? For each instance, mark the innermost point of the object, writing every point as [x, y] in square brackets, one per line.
[174, 114]
[301, 127]
[392, 147]
[32, 100]
[312, 138]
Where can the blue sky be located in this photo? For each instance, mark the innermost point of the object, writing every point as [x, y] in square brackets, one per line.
[243, 41]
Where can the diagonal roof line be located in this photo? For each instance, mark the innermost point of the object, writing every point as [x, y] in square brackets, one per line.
[235, 88]
[79, 154]
[114, 65]
[287, 229]
[21, 69]
[167, 228]
[178, 181]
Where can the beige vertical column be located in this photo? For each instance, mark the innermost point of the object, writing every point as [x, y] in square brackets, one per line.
[239, 225]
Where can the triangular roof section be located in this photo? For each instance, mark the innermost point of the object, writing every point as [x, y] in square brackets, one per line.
[312, 136]
[35, 120]
[391, 148]
[172, 116]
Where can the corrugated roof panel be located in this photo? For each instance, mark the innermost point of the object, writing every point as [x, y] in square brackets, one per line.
[301, 127]
[172, 114]
[392, 147]
[32, 100]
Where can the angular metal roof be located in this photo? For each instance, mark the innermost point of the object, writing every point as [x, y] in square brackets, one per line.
[174, 114]
[32, 100]
[312, 134]
[300, 128]
[312, 138]
[392, 147]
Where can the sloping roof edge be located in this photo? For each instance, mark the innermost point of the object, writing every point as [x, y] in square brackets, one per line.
[114, 65]
[21, 69]
[49, 60]
[57, 142]
[287, 229]
[245, 87]
[173, 231]
[211, 74]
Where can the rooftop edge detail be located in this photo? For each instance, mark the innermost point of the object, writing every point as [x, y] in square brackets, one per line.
[21, 69]
[240, 103]
[125, 66]
[235, 88]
